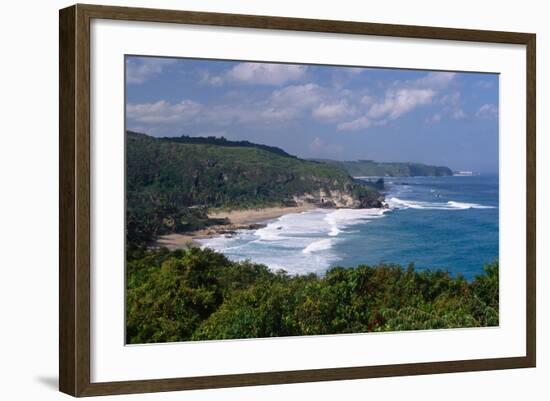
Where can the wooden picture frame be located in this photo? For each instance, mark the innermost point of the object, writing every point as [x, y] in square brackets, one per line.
[74, 204]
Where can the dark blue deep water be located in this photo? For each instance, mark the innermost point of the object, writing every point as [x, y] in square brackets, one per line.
[448, 223]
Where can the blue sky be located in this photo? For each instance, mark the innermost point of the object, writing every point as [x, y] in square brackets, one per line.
[343, 113]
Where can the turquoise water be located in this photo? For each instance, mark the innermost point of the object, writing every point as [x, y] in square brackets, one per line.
[448, 223]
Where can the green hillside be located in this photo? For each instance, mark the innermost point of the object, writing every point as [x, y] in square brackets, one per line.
[171, 183]
[371, 168]
[213, 140]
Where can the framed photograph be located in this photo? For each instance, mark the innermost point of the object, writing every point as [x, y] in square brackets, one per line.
[250, 200]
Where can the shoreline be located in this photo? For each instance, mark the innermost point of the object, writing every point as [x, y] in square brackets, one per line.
[255, 216]
[243, 219]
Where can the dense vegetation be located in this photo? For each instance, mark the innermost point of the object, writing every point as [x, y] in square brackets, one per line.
[172, 182]
[213, 140]
[196, 294]
[370, 168]
[199, 294]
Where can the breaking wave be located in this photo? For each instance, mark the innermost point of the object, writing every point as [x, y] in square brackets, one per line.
[313, 241]
[320, 245]
[301, 242]
[396, 203]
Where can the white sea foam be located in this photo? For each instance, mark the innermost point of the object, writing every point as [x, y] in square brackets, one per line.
[396, 203]
[321, 245]
[306, 242]
[334, 230]
[292, 226]
[299, 242]
[342, 218]
[464, 205]
[313, 241]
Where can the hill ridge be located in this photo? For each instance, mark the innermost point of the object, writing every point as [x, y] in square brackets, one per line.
[171, 184]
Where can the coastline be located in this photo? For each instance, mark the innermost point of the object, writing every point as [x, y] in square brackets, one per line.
[244, 219]
[255, 216]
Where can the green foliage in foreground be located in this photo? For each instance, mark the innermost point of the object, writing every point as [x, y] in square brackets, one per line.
[199, 294]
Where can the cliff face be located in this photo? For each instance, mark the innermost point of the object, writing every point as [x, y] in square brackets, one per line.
[339, 199]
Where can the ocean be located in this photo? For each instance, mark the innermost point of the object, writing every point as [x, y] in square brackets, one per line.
[448, 223]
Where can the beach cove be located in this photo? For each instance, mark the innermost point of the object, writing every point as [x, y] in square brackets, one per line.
[245, 219]
[448, 223]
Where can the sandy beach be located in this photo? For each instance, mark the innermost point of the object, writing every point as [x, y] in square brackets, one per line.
[239, 220]
[253, 216]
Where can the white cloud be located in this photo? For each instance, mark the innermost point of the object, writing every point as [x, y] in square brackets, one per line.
[279, 114]
[487, 111]
[259, 73]
[207, 78]
[333, 110]
[166, 117]
[399, 102]
[292, 101]
[346, 109]
[163, 112]
[321, 103]
[297, 96]
[141, 70]
[354, 125]
[452, 105]
[270, 74]
[400, 98]
[435, 80]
